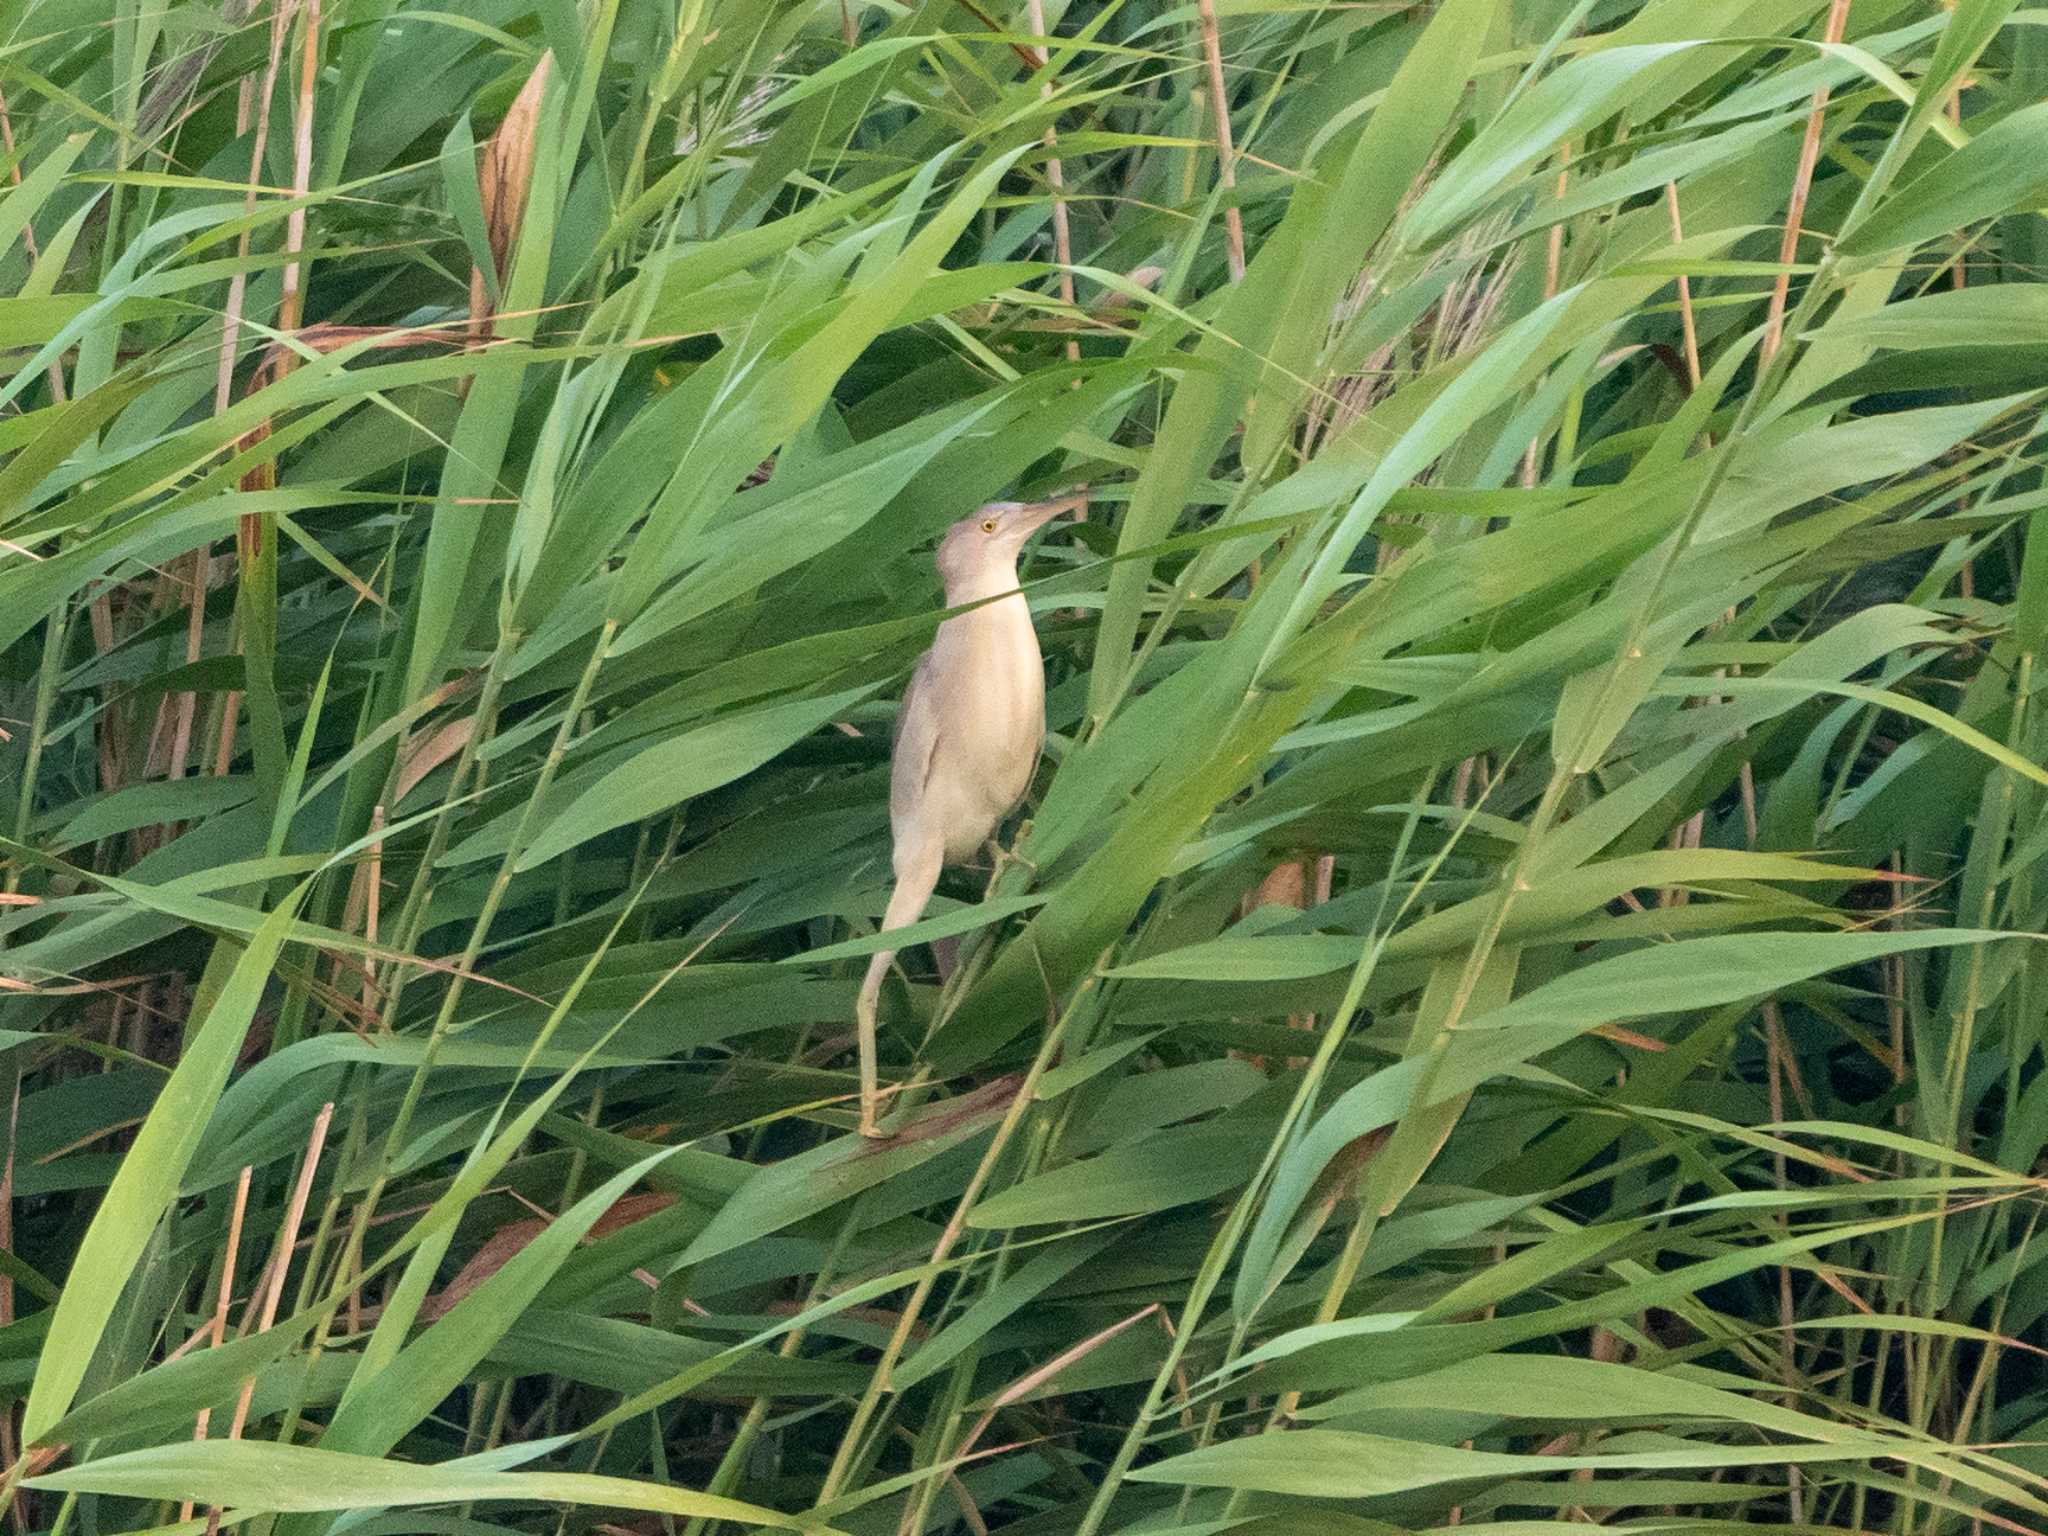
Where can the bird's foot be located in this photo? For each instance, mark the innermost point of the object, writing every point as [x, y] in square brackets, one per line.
[871, 1113]
[1002, 858]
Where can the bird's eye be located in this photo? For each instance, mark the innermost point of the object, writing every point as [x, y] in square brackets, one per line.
[988, 525]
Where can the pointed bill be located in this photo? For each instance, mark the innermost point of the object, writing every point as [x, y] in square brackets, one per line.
[1036, 515]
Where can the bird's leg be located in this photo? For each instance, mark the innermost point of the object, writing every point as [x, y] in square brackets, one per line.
[917, 876]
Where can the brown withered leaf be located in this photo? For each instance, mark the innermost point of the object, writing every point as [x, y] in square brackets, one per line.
[507, 172]
[1622, 1036]
[498, 1250]
[423, 754]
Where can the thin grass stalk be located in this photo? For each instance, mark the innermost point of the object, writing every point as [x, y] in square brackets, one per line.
[48, 668]
[1041, 1134]
[1031, 1380]
[1226, 150]
[373, 891]
[1777, 1046]
[1688, 834]
[1979, 1391]
[1207, 1279]
[323, 1233]
[1224, 1245]
[350, 1262]
[1055, 179]
[338, 1273]
[1687, 323]
[273, 1280]
[1176, 599]
[437, 1035]
[291, 302]
[936, 1445]
[218, 1329]
[1802, 184]
[1365, 1218]
[734, 1461]
[878, 1379]
[689, 16]
[252, 111]
[412, 913]
[1553, 265]
[1959, 277]
[1963, 1041]
[1515, 880]
[344, 1276]
[55, 371]
[10, 1439]
[1776, 1050]
[115, 723]
[1990, 833]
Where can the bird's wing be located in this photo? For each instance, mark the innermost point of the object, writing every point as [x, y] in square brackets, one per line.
[914, 744]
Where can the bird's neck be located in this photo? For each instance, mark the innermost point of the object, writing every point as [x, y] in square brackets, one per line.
[986, 581]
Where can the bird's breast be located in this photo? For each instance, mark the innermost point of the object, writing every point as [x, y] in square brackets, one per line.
[992, 721]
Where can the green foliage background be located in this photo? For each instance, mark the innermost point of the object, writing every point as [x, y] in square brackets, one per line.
[469, 474]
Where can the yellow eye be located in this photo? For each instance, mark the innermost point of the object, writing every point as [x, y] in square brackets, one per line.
[988, 525]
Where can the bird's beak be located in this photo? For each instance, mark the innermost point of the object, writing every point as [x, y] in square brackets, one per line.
[1037, 515]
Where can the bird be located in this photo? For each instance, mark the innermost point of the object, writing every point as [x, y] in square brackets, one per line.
[968, 732]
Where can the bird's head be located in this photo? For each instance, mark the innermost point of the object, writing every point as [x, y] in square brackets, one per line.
[994, 533]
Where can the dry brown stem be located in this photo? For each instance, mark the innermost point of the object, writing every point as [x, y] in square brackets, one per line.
[1226, 150]
[217, 1330]
[1795, 209]
[1055, 177]
[272, 1285]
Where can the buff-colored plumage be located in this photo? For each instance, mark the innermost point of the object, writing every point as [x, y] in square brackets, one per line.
[968, 732]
